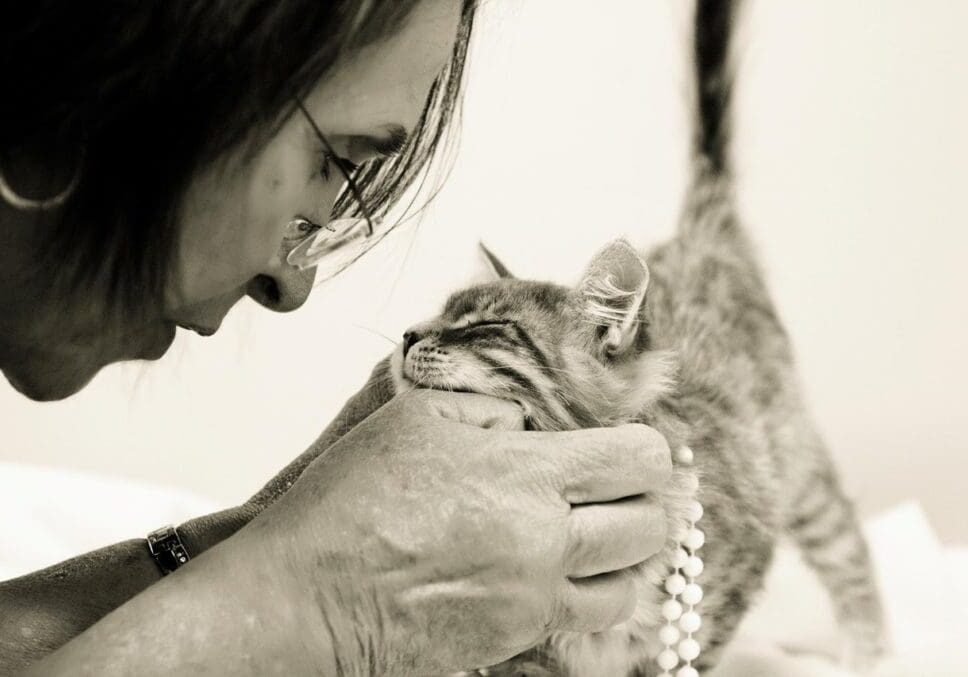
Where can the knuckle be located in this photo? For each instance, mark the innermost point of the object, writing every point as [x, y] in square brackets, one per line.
[533, 616]
[549, 614]
[564, 615]
[573, 544]
[507, 627]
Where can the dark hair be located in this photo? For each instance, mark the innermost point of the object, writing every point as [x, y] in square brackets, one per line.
[153, 90]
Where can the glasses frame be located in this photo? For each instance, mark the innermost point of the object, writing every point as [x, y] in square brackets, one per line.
[337, 160]
[300, 254]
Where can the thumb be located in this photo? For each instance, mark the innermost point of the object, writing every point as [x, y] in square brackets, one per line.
[473, 409]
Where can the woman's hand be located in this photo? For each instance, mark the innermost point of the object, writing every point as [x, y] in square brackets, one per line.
[436, 535]
[421, 542]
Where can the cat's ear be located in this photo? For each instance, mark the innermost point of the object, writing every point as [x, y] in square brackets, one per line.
[612, 297]
[498, 269]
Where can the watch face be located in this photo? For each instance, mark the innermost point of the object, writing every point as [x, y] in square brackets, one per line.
[157, 537]
[167, 549]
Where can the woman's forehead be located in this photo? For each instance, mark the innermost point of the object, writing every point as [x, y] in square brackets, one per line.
[387, 82]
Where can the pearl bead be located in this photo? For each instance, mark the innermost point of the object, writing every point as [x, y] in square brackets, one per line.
[692, 595]
[675, 584]
[668, 634]
[693, 566]
[695, 511]
[684, 455]
[667, 659]
[687, 671]
[690, 621]
[679, 558]
[688, 649]
[694, 539]
[671, 610]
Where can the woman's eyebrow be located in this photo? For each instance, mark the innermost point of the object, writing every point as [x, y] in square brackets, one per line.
[392, 143]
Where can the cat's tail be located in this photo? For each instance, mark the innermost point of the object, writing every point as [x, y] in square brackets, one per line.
[713, 29]
[709, 209]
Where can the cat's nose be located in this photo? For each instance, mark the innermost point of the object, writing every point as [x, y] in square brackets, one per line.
[409, 339]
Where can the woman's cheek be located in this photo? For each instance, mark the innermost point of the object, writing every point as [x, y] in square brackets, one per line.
[232, 222]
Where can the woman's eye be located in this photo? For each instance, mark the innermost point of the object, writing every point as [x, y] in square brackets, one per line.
[300, 229]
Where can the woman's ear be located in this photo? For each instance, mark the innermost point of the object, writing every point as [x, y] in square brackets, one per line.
[498, 269]
[611, 297]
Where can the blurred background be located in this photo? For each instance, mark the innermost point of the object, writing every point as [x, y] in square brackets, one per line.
[851, 157]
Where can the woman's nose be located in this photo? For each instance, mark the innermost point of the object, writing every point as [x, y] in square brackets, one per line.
[282, 287]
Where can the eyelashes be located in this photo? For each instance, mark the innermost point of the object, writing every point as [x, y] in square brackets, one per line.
[329, 161]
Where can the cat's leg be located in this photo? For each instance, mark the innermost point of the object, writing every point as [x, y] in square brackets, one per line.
[824, 523]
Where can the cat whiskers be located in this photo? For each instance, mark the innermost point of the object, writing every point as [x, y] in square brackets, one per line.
[376, 333]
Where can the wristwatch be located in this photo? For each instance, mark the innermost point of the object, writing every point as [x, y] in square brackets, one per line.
[167, 549]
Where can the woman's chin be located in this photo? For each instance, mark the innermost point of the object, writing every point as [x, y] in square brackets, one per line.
[57, 374]
[49, 388]
[158, 344]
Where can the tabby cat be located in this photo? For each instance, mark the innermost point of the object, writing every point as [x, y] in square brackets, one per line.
[686, 340]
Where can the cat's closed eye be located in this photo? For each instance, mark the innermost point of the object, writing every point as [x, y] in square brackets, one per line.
[488, 323]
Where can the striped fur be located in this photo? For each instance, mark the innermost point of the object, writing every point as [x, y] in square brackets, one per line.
[690, 344]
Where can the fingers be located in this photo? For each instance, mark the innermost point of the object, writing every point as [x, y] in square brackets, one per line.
[481, 411]
[605, 464]
[606, 537]
[597, 603]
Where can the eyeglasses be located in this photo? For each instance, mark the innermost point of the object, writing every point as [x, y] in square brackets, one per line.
[333, 246]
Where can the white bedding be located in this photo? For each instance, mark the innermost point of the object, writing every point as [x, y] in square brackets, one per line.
[48, 514]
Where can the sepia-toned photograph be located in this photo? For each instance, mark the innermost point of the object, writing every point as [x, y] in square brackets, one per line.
[483, 338]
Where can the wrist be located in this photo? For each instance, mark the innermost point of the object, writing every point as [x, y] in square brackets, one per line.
[288, 609]
[201, 533]
[230, 612]
[323, 586]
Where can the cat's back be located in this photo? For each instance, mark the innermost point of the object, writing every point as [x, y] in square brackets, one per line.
[709, 302]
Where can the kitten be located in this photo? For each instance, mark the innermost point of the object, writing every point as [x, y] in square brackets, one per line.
[686, 340]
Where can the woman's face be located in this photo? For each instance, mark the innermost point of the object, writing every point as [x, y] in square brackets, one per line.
[233, 218]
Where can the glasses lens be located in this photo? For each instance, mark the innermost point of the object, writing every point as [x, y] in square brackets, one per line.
[335, 246]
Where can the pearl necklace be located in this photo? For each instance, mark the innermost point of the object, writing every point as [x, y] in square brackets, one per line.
[684, 594]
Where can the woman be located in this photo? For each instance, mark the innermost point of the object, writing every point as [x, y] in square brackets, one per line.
[158, 162]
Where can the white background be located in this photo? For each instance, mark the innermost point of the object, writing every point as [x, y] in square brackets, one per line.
[851, 156]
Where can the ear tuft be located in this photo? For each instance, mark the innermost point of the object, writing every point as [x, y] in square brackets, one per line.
[494, 263]
[612, 296]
